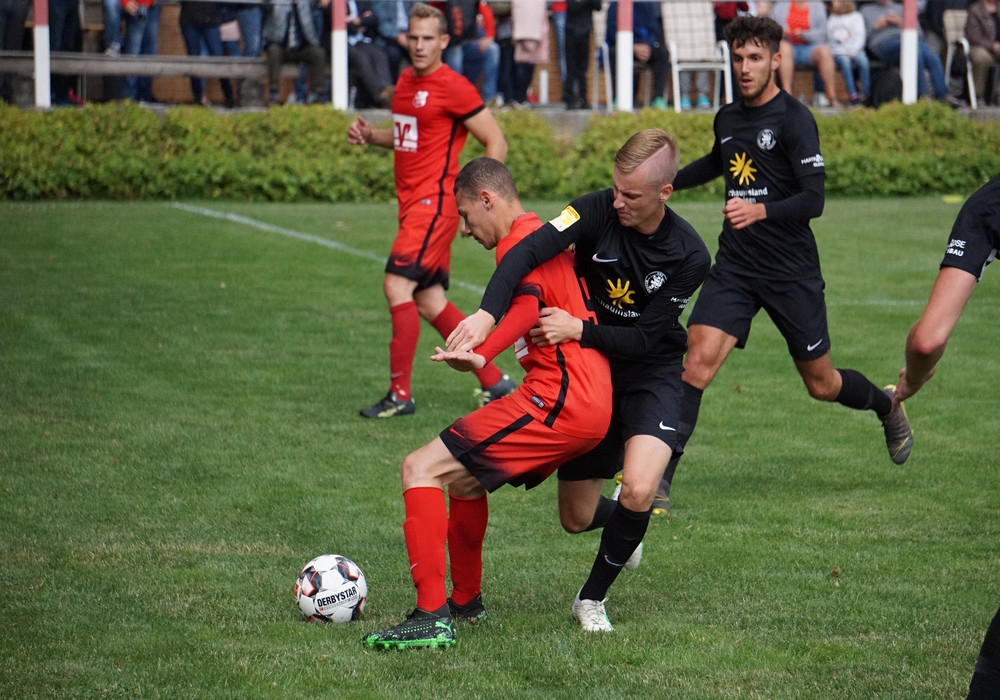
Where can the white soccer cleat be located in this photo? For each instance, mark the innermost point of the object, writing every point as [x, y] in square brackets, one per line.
[592, 615]
[633, 561]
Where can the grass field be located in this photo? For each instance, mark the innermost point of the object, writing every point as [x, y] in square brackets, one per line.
[179, 435]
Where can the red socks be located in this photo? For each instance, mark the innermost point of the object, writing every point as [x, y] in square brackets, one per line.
[467, 519]
[425, 530]
[427, 527]
[403, 347]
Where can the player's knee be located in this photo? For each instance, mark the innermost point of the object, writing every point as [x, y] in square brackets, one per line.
[574, 523]
[821, 389]
[637, 496]
[414, 471]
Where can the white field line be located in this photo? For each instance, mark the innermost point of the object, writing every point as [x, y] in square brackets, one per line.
[305, 237]
[477, 289]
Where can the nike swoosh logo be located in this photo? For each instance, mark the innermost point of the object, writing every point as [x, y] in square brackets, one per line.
[810, 348]
[726, 138]
[667, 427]
[603, 260]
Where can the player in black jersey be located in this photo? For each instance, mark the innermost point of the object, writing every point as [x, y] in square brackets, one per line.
[972, 245]
[767, 148]
[641, 262]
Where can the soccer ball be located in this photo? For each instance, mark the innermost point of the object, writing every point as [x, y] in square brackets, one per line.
[331, 588]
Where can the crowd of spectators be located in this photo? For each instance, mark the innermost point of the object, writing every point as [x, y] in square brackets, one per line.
[497, 45]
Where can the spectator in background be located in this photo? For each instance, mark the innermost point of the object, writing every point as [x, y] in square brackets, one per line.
[982, 30]
[292, 37]
[557, 18]
[251, 19]
[647, 46]
[502, 13]
[142, 26]
[805, 43]
[64, 35]
[884, 28]
[531, 45]
[200, 22]
[12, 16]
[112, 28]
[481, 56]
[579, 27]
[846, 28]
[393, 21]
[368, 64]
[726, 12]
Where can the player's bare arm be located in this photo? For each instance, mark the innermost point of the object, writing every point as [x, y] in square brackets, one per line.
[741, 213]
[361, 133]
[484, 128]
[926, 341]
[471, 331]
[556, 326]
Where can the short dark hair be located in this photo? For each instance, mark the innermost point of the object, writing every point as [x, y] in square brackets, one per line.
[762, 31]
[485, 173]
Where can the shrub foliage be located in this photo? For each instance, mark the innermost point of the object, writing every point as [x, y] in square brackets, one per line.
[124, 151]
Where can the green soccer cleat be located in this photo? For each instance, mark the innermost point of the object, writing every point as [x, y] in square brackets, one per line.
[419, 629]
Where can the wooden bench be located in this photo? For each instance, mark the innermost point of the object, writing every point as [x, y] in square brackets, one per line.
[72, 63]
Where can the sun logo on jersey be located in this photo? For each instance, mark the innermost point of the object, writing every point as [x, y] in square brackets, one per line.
[620, 294]
[742, 170]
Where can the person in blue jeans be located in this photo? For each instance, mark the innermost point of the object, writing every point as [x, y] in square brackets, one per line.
[884, 27]
[200, 22]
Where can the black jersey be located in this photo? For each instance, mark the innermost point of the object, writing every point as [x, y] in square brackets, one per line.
[975, 237]
[638, 284]
[768, 154]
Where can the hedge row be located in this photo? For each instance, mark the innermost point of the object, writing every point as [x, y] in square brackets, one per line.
[124, 151]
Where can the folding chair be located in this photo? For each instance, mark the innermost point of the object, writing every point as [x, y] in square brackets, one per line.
[689, 28]
[954, 36]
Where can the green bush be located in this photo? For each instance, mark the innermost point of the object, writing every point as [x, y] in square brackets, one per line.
[124, 151]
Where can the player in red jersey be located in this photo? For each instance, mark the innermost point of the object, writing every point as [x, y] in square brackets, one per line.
[433, 110]
[561, 410]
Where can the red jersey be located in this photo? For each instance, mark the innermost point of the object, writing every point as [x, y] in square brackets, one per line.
[565, 386]
[428, 134]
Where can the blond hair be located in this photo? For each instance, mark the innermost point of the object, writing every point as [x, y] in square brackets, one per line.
[650, 145]
[424, 11]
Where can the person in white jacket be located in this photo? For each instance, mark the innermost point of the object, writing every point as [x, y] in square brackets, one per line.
[846, 31]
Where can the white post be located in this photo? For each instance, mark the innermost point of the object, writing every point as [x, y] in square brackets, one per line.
[543, 87]
[43, 74]
[908, 65]
[623, 57]
[338, 60]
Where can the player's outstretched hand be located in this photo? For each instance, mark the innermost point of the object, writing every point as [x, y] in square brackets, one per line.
[471, 331]
[905, 388]
[555, 326]
[463, 361]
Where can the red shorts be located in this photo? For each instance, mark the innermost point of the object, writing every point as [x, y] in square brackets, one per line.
[422, 249]
[502, 444]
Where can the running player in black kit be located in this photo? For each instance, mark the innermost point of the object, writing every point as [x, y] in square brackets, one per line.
[767, 148]
[641, 263]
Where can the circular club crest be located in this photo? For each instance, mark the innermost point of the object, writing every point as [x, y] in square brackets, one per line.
[766, 140]
[654, 280]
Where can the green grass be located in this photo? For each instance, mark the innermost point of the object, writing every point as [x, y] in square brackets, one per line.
[179, 435]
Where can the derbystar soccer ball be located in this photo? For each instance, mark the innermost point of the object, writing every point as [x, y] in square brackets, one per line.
[331, 588]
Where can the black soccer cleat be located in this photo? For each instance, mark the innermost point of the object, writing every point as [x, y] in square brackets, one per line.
[419, 629]
[390, 406]
[473, 612]
[505, 386]
[898, 434]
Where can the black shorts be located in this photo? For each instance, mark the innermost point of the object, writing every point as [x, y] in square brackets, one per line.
[647, 401]
[729, 301]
